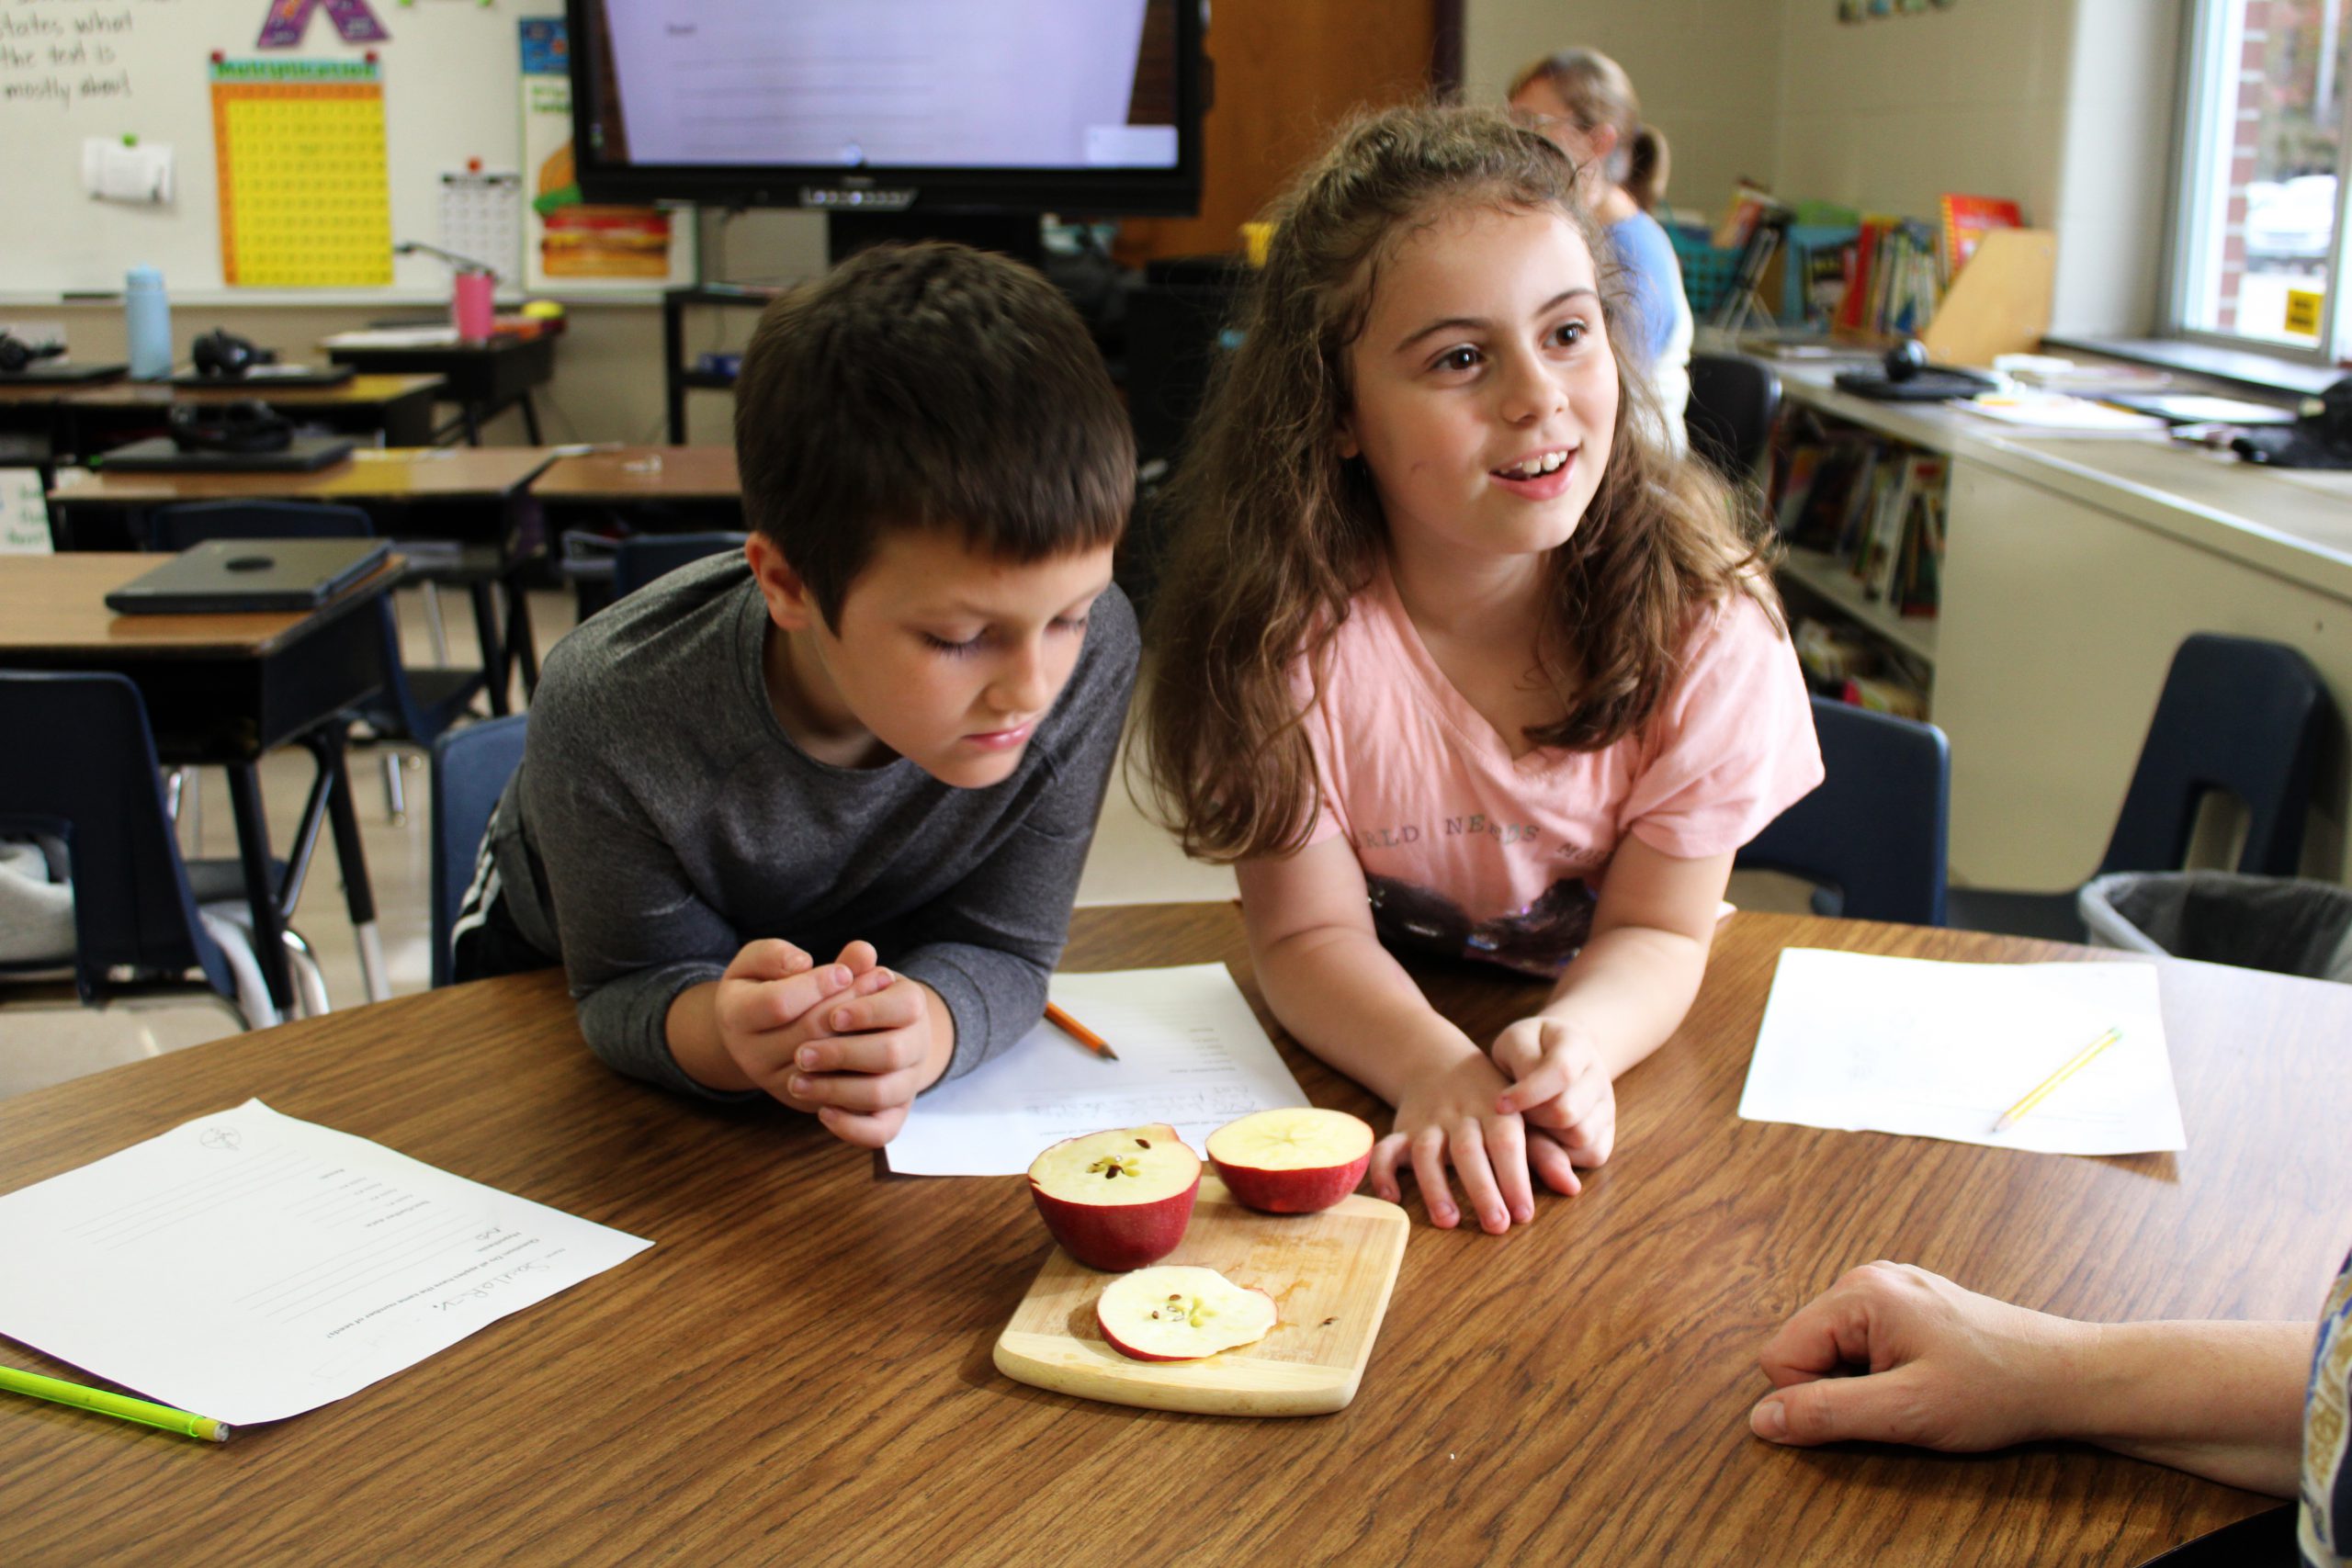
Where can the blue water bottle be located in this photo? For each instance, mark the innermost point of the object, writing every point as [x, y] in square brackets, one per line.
[147, 316]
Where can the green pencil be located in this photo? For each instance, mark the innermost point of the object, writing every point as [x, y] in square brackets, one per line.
[122, 1405]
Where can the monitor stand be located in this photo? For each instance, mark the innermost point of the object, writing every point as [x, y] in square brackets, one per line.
[1016, 234]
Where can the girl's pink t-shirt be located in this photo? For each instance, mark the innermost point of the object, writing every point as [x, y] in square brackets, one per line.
[1470, 851]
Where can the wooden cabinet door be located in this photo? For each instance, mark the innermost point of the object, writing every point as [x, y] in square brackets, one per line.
[1288, 72]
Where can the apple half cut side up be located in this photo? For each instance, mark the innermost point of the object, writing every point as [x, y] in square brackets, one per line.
[1178, 1313]
[1296, 1160]
[1118, 1200]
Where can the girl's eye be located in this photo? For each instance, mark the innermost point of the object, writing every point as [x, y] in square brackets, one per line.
[1568, 335]
[1463, 358]
[954, 650]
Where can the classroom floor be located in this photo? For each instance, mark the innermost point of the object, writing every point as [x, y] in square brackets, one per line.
[1132, 862]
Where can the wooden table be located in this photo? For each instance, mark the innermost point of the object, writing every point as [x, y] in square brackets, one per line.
[482, 376]
[627, 476]
[800, 1369]
[92, 418]
[223, 689]
[468, 496]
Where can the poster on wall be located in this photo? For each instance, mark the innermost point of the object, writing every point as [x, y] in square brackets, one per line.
[572, 246]
[305, 201]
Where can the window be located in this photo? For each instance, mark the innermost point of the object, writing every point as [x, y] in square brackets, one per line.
[2258, 252]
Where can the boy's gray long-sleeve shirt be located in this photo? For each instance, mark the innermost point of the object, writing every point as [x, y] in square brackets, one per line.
[662, 818]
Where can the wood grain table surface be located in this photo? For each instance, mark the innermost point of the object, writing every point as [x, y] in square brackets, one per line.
[642, 473]
[800, 1369]
[53, 614]
[395, 473]
[359, 390]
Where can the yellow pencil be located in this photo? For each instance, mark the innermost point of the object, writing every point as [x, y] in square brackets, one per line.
[2041, 1091]
[1062, 1020]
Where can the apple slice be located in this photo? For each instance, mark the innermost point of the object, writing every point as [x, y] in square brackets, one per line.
[1178, 1313]
[1118, 1200]
[1292, 1161]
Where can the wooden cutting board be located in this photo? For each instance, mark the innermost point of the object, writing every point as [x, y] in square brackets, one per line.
[1329, 1275]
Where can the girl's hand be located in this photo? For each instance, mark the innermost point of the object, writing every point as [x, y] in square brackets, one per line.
[1449, 1116]
[1560, 1084]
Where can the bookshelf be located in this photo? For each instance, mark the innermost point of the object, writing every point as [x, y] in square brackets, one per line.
[1825, 577]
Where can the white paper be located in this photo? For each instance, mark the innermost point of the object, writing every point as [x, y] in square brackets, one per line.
[1190, 1054]
[2057, 411]
[24, 513]
[249, 1267]
[1856, 1041]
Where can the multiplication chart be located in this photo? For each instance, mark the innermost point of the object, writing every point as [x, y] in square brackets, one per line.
[305, 201]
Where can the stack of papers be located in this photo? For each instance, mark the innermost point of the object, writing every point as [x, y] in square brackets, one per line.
[1859, 1043]
[1190, 1054]
[2057, 411]
[249, 1267]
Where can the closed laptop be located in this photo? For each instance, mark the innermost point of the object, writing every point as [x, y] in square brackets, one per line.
[250, 574]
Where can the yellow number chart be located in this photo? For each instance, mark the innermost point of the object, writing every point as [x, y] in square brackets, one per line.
[305, 201]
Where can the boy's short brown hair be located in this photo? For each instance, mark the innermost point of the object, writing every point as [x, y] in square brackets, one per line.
[927, 386]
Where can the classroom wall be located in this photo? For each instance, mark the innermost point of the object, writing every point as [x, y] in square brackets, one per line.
[1708, 73]
[2065, 104]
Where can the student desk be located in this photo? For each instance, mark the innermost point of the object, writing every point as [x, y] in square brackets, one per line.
[483, 379]
[636, 476]
[222, 689]
[400, 408]
[469, 496]
[801, 1369]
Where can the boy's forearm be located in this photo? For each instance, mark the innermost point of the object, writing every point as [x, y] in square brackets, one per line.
[1630, 987]
[2221, 1400]
[1343, 998]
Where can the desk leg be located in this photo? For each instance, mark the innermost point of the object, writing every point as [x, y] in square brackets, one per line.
[358, 897]
[252, 851]
[497, 667]
[520, 643]
[530, 419]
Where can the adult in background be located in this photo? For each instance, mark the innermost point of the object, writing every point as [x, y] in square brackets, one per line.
[1584, 102]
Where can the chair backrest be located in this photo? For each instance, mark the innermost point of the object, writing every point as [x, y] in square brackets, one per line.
[192, 522]
[1729, 416]
[2236, 714]
[641, 557]
[470, 767]
[1874, 831]
[82, 769]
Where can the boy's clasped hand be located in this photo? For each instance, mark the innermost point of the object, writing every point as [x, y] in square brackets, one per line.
[850, 1042]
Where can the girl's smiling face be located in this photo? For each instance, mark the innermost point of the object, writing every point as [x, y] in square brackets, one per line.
[1483, 389]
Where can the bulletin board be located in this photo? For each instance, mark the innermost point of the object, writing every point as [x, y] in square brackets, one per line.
[294, 167]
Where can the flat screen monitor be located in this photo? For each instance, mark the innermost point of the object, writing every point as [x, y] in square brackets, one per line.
[1089, 108]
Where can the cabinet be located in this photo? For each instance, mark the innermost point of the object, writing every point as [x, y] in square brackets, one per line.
[2073, 568]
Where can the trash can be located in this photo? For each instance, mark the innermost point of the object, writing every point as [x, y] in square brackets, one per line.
[2281, 924]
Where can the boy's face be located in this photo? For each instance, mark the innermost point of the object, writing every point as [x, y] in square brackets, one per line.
[942, 655]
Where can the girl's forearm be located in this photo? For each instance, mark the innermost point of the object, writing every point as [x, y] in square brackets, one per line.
[1342, 996]
[1630, 987]
[2221, 1400]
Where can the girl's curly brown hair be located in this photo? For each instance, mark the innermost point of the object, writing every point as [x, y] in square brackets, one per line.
[1274, 534]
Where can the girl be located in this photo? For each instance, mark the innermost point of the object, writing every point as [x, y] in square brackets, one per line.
[1449, 639]
[1585, 103]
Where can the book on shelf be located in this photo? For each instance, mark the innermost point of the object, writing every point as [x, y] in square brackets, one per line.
[1967, 219]
[1873, 505]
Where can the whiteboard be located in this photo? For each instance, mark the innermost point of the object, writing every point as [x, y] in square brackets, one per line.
[74, 69]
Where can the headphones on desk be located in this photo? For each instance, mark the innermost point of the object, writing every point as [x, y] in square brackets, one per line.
[221, 353]
[17, 355]
[246, 425]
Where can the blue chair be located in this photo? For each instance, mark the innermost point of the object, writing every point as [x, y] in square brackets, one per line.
[2238, 715]
[1872, 836]
[470, 767]
[415, 706]
[83, 781]
[641, 557]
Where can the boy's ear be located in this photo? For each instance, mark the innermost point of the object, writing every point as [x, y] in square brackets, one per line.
[790, 605]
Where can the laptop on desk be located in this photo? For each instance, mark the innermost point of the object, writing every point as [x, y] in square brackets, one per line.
[159, 455]
[227, 575]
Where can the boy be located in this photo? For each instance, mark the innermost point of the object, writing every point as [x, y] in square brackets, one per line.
[883, 732]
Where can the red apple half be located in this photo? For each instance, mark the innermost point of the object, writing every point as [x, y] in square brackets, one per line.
[1292, 1161]
[1118, 1200]
[1178, 1313]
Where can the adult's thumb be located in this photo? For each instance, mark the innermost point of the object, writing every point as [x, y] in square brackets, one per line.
[1828, 1410]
